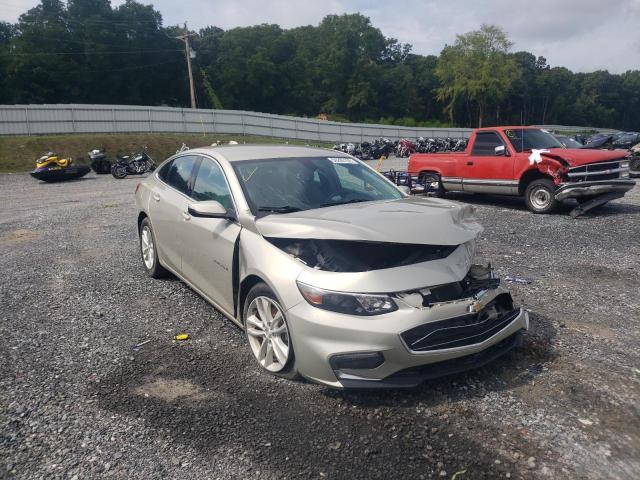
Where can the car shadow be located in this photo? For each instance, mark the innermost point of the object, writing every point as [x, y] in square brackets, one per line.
[217, 401]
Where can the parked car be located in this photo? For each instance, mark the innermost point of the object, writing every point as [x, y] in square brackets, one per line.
[528, 162]
[625, 140]
[568, 142]
[333, 272]
[599, 140]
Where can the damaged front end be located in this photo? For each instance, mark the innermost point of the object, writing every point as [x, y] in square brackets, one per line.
[591, 184]
[477, 307]
[358, 256]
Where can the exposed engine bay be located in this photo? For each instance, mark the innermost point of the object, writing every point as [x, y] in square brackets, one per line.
[359, 256]
[479, 280]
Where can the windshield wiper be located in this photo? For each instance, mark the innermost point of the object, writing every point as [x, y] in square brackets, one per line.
[355, 200]
[283, 209]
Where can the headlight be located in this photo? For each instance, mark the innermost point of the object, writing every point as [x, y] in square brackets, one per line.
[349, 303]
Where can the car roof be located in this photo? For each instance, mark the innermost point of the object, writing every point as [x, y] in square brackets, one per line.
[238, 153]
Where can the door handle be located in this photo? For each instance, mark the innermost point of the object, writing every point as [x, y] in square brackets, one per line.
[186, 216]
[469, 163]
[156, 197]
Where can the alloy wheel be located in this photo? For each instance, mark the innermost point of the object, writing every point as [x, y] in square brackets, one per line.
[146, 244]
[268, 334]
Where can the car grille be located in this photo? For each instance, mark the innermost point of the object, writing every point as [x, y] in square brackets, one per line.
[634, 165]
[596, 171]
[464, 330]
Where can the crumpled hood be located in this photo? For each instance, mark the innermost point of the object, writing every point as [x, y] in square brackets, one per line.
[577, 157]
[409, 220]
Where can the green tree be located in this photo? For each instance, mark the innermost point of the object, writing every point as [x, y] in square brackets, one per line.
[476, 68]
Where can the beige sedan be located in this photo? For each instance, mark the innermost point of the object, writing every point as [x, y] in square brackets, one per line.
[334, 273]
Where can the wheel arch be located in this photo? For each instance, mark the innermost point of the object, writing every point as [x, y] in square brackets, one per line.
[528, 177]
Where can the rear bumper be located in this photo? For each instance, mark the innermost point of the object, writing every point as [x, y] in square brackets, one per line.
[593, 189]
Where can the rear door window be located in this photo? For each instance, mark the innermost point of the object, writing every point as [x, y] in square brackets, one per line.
[179, 173]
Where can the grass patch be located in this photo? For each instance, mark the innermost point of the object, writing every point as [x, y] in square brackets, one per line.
[19, 154]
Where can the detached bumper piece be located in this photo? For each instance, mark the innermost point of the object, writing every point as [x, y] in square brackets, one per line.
[414, 376]
[594, 193]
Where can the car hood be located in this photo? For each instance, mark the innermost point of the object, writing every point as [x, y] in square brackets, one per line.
[408, 220]
[576, 157]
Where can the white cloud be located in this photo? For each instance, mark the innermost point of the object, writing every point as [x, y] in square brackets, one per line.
[583, 35]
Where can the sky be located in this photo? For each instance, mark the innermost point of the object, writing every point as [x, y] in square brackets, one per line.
[582, 35]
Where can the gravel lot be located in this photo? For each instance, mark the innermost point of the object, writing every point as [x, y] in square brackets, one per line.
[78, 402]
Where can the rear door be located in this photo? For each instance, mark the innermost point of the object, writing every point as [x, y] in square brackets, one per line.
[483, 170]
[209, 243]
[167, 208]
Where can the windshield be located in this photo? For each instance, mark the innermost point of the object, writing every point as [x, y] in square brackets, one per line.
[531, 138]
[285, 185]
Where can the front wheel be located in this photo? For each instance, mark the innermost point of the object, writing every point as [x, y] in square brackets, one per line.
[540, 196]
[268, 332]
[119, 171]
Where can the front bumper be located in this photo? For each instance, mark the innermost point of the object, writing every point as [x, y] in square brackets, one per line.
[594, 188]
[594, 193]
[318, 335]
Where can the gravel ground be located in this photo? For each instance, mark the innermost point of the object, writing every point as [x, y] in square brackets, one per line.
[78, 402]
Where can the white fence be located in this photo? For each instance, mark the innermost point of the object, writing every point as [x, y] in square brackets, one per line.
[59, 119]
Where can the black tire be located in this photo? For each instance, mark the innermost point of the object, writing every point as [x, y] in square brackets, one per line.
[430, 178]
[262, 290]
[540, 196]
[156, 270]
[118, 171]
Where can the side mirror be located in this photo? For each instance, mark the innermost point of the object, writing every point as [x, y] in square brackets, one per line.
[500, 151]
[404, 189]
[209, 209]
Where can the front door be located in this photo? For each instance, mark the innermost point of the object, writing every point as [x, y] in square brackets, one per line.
[484, 171]
[209, 244]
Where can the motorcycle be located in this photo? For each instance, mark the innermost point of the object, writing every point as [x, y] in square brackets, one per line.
[135, 164]
[99, 162]
[51, 168]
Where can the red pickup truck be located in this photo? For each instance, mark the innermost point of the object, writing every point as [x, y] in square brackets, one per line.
[529, 162]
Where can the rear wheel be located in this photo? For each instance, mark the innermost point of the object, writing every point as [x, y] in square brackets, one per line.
[149, 251]
[432, 184]
[119, 171]
[540, 196]
[268, 332]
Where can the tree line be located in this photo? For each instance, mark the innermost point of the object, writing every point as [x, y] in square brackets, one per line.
[86, 51]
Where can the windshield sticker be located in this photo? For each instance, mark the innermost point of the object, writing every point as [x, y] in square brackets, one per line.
[341, 160]
[509, 133]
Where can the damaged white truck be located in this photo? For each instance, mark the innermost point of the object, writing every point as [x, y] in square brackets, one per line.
[334, 274]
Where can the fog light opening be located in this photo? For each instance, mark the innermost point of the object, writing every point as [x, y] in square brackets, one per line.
[356, 361]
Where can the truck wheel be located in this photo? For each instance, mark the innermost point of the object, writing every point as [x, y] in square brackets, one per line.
[540, 196]
[432, 184]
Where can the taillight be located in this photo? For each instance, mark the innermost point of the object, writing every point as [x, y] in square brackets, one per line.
[137, 187]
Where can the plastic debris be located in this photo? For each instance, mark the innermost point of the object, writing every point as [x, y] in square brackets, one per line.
[584, 421]
[457, 474]
[182, 336]
[138, 346]
[516, 279]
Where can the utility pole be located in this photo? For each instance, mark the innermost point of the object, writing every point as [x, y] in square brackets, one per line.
[187, 46]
